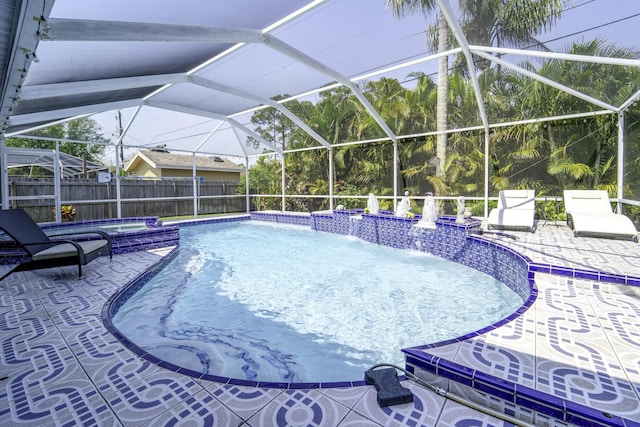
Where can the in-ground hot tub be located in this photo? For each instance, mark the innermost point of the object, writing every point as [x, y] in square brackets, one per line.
[127, 234]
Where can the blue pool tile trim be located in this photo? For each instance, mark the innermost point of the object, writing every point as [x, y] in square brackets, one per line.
[231, 218]
[282, 218]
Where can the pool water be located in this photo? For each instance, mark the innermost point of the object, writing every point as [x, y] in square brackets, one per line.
[267, 302]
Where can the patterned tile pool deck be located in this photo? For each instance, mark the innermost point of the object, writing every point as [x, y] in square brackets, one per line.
[579, 342]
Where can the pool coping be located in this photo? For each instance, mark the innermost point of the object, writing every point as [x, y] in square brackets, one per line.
[527, 397]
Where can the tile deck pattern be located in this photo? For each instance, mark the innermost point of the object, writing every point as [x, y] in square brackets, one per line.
[60, 366]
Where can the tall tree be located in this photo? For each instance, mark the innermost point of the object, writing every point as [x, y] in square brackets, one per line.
[273, 125]
[406, 7]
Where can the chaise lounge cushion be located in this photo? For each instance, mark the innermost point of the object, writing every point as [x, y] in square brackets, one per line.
[516, 210]
[589, 213]
[68, 250]
[44, 251]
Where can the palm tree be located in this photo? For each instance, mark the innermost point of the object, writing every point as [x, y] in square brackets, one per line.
[490, 22]
[508, 23]
[403, 8]
[584, 153]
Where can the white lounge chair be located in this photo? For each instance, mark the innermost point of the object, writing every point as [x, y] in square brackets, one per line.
[589, 213]
[516, 210]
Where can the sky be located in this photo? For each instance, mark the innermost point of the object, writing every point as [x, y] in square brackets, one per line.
[615, 20]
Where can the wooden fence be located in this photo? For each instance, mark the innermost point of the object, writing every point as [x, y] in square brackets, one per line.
[94, 200]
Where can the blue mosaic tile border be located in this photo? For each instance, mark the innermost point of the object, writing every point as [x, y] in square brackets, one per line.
[150, 221]
[282, 217]
[579, 273]
[116, 300]
[213, 220]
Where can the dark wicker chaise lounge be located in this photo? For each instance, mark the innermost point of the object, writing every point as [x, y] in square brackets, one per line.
[48, 252]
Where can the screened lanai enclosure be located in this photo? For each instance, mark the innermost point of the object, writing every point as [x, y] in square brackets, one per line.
[326, 101]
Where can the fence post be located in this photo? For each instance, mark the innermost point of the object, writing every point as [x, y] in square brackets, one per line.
[14, 192]
[224, 201]
[175, 197]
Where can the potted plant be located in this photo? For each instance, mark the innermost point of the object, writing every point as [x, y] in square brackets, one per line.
[67, 212]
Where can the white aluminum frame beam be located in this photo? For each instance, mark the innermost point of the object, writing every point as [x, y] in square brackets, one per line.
[625, 62]
[208, 137]
[247, 199]
[94, 30]
[633, 98]
[314, 64]
[65, 113]
[620, 162]
[561, 56]
[104, 85]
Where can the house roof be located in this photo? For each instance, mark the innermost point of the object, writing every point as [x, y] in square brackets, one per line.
[166, 160]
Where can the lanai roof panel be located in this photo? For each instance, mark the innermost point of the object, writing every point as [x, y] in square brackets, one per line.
[362, 42]
[264, 72]
[192, 96]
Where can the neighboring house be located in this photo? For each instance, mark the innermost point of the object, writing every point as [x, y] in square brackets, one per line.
[162, 164]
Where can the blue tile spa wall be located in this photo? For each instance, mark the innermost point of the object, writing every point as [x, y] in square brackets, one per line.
[127, 234]
[282, 217]
[447, 239]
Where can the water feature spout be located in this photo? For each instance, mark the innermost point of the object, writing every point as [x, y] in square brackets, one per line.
[404, 206]
[429, 212]
[372, 204]
[460, 216]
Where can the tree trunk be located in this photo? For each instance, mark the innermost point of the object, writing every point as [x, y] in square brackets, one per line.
[442, 107]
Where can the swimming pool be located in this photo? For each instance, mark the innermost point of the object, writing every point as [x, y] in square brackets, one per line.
[266, 302]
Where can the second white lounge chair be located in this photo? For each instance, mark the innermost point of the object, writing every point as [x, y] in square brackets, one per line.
[516, 210]
[589, 213]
